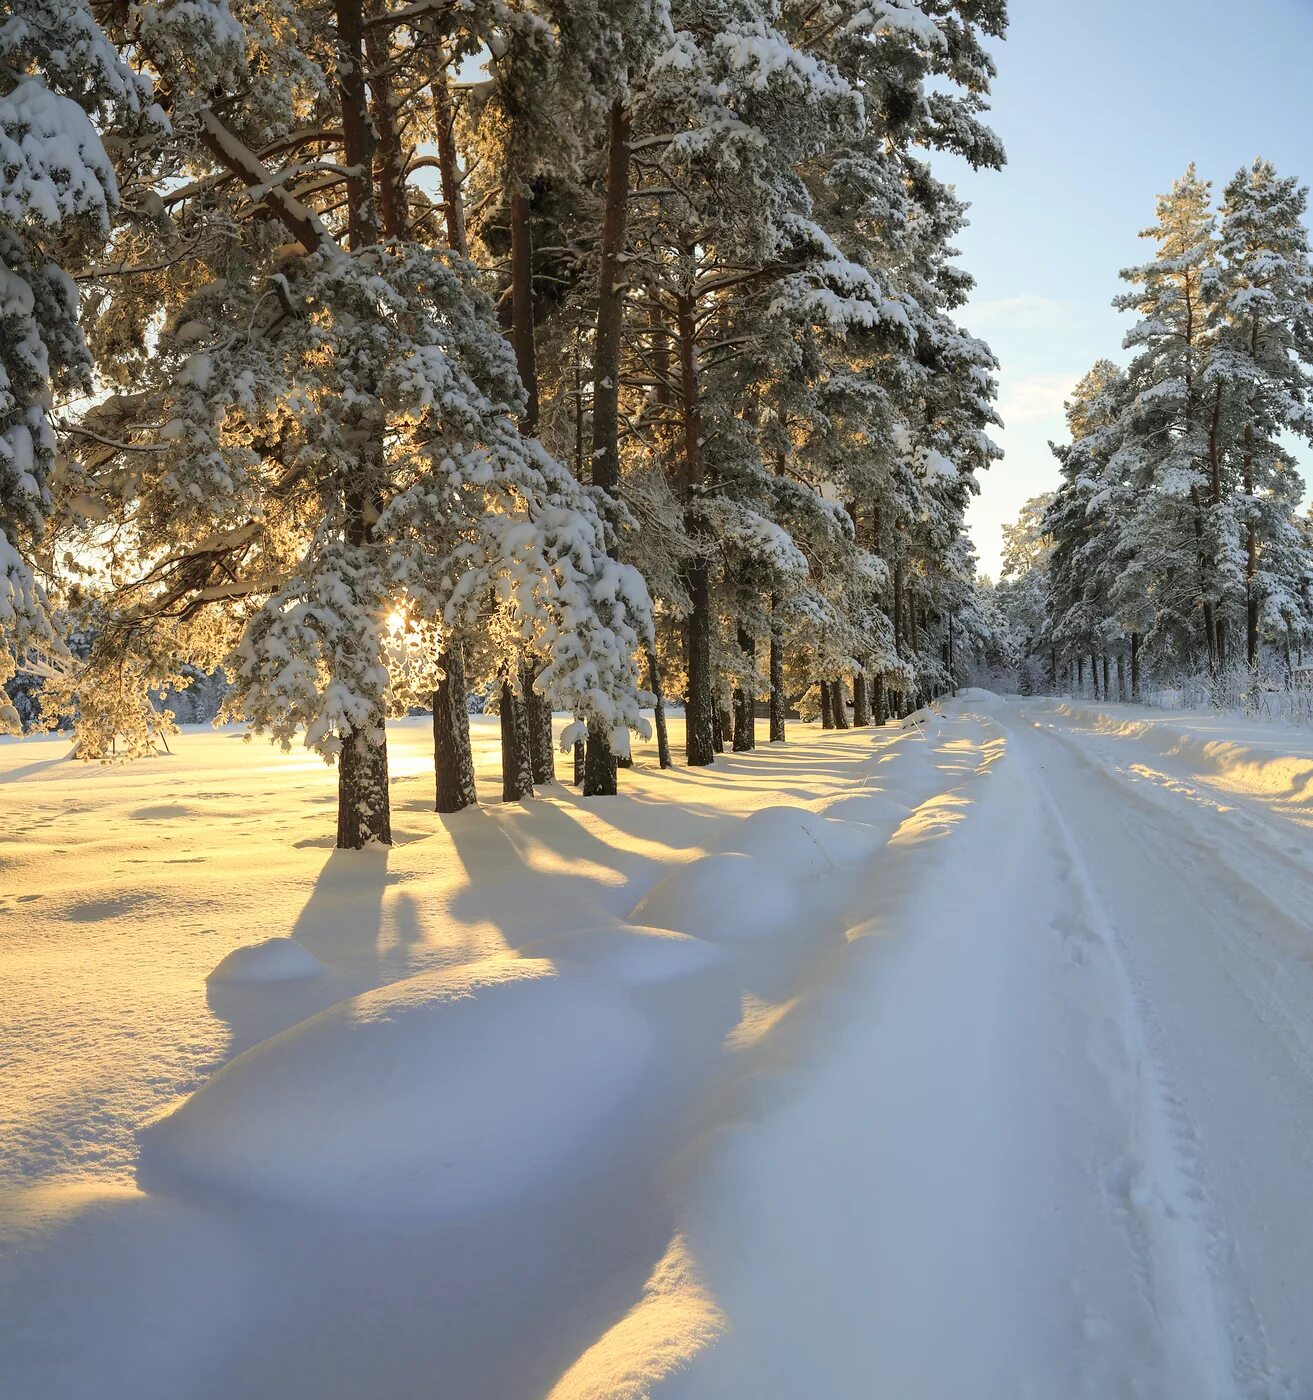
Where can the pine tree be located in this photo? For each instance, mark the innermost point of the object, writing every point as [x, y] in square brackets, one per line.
[62, 82]
[1259, 374]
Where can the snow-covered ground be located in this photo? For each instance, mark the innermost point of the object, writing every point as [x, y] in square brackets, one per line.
[972, 1058]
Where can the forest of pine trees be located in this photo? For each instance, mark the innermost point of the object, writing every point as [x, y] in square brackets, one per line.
[572, 355]
[1173, 550]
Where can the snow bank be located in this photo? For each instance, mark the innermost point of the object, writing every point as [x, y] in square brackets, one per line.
[1208, 744]
[274, 960]
[450, 1091]
[788, 839]
[723, 895]
[869, 809]
[633, 957]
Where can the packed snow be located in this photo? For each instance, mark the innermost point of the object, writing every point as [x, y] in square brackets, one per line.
[966, 1056]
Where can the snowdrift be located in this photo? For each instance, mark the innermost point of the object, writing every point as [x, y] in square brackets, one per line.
[448, 1092]
[1207, 745]
[273, 960]
[723, 896]
[632, 957]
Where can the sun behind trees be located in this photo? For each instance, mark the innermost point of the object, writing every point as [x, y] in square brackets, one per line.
[564, 356]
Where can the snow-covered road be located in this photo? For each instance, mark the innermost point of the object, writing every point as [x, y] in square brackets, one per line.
[987, 1071]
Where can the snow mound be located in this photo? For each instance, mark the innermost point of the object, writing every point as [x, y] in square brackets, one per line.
[447, 1092]
[274, 960]
[633, 957]
[871, 809]
[799, 843]
[788, 839]
[722, 896]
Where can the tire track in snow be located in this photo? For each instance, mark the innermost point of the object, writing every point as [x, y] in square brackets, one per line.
[1181, 1250]
[1228, 1040]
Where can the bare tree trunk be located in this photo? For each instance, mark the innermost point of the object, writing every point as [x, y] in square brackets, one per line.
[861, 700]
[538, 716]
[1210, 630]
[444, 119]
[390, 159]
[516, 764]
[363, 797]
[878, 703]
[827, 706]
[699, 714]
[777, 702]
[600, 764]
[744, 737]
[839, 703]
[453, 757]
[611, 290]
[1107, 690]
[1251, 558]
[654, 685]
[1135, 668]
[1121, 677]
[522, 337]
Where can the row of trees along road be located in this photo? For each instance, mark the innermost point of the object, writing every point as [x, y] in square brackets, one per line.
[568, 352]
[1173, 546]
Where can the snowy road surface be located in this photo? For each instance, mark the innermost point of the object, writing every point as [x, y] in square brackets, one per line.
[967, 1059]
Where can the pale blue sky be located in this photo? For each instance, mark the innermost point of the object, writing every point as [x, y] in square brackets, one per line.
[1100, 105]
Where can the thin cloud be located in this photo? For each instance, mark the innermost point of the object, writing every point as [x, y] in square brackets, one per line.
[1025, 312]
[1034, 398]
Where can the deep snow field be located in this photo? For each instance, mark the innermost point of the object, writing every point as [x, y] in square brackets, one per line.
[966, 1058]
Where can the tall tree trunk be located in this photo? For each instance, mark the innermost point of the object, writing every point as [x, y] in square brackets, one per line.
[1107, 693]
[600, 765]
[699, 716]
[745, 720]
[516, 765]
[861, 702]
[363, 801]
[654, 685]
[529, 758]
[538, 713]
[1094, 674]
[453, 760]
[878, 705]
[1210, 631]
[839, 703]
[1251, 557]
[444, 120]
[611, 288]
[827, 705]
[898, 606]
[1121, 677]
[777, 702]
[363, 797]
[1135, 668]
[522, 336]
[390, 159]
[453, 756]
